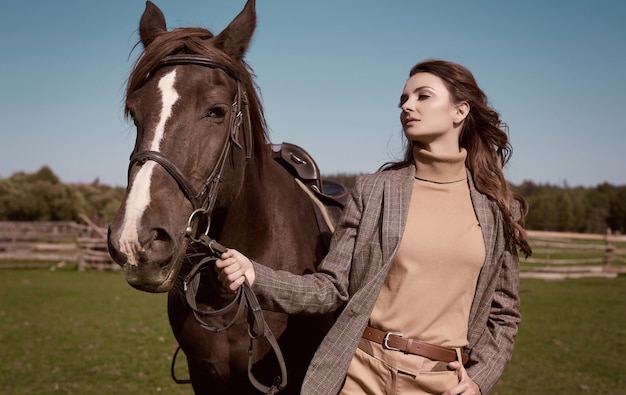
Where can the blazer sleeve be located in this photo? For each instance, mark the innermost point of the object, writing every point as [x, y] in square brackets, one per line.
[323, 291]
[494, 347]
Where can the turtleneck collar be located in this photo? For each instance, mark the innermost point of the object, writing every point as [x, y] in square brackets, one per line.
[439, 168]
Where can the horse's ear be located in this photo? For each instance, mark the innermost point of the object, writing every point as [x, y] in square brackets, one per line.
[152, 24]
[234, 40]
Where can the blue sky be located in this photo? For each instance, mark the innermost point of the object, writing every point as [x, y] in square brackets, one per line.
[330, 74]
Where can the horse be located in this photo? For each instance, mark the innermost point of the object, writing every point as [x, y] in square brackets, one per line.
[202, 168]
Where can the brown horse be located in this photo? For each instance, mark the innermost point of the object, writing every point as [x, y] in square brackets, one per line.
[202, 166]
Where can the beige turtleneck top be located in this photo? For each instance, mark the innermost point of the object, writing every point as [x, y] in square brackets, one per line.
[429, 288]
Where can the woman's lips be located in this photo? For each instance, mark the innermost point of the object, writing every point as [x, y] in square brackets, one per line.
[410, 120]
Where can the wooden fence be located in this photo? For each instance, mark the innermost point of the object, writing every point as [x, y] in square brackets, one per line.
[54, 245]
[556, 255]
[559, 255]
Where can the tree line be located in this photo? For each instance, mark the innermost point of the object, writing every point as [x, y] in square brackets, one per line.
[580, 209]
[41, 196]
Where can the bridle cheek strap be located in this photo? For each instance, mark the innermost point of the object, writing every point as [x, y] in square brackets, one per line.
[247, 124]
[241, 117]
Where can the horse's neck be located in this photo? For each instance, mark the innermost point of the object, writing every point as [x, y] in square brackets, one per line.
[266, 209]
[268, 194]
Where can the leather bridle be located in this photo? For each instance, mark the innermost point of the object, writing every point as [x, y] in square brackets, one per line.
[203, 203]
[203, 200]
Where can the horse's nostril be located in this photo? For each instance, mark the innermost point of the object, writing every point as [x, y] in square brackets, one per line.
[159, 248]
[114, 248]
[160, 235]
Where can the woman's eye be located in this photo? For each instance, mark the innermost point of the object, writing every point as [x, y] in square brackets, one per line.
[216, 112]
[422, 96]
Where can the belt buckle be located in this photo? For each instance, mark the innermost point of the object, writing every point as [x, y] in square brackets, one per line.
[386, 340]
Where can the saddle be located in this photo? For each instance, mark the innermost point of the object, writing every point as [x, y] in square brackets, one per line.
[328, 197]
[303, 167]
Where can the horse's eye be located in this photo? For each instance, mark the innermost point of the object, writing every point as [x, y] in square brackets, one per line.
[216, 112]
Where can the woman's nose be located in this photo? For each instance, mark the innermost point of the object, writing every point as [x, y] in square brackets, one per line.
[407, 107]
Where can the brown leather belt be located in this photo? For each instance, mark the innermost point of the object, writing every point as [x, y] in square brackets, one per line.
[395, 341]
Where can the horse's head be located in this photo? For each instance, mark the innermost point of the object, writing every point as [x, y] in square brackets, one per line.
[197, 116]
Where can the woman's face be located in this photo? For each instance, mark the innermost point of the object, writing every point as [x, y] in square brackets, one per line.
[428, 115]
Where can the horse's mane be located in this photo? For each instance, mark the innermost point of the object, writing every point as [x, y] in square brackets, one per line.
[198, 41]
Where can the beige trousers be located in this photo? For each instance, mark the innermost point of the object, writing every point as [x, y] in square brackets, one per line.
[377, 371]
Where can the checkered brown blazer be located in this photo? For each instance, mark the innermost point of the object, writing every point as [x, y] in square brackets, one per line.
[351, 275]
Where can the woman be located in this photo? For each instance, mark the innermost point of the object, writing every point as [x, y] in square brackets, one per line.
[423, 266]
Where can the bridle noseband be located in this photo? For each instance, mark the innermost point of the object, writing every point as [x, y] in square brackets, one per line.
[203, 203]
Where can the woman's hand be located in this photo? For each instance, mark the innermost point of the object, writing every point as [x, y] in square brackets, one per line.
[233, 268]
[466, 385]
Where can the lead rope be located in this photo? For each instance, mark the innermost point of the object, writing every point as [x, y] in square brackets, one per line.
[244, 298]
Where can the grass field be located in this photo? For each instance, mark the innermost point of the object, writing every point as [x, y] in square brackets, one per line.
[572, 338]
[66, 332]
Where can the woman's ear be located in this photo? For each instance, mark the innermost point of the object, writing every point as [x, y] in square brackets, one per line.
[462, 110]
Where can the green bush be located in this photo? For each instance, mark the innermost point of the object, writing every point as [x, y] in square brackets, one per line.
[41, 196]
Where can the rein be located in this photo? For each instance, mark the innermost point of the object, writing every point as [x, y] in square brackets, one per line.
[244, 298]
[203, 202]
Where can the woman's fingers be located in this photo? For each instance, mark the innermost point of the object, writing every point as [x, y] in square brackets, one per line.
[233, 267]
[228, 266]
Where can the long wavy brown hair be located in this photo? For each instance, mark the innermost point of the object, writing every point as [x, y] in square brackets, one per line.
[485, 137]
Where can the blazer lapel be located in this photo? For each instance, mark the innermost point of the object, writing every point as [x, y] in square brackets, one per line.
[485, 215]
[396, 200]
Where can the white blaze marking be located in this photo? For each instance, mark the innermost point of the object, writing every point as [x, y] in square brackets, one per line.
[139, 196]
